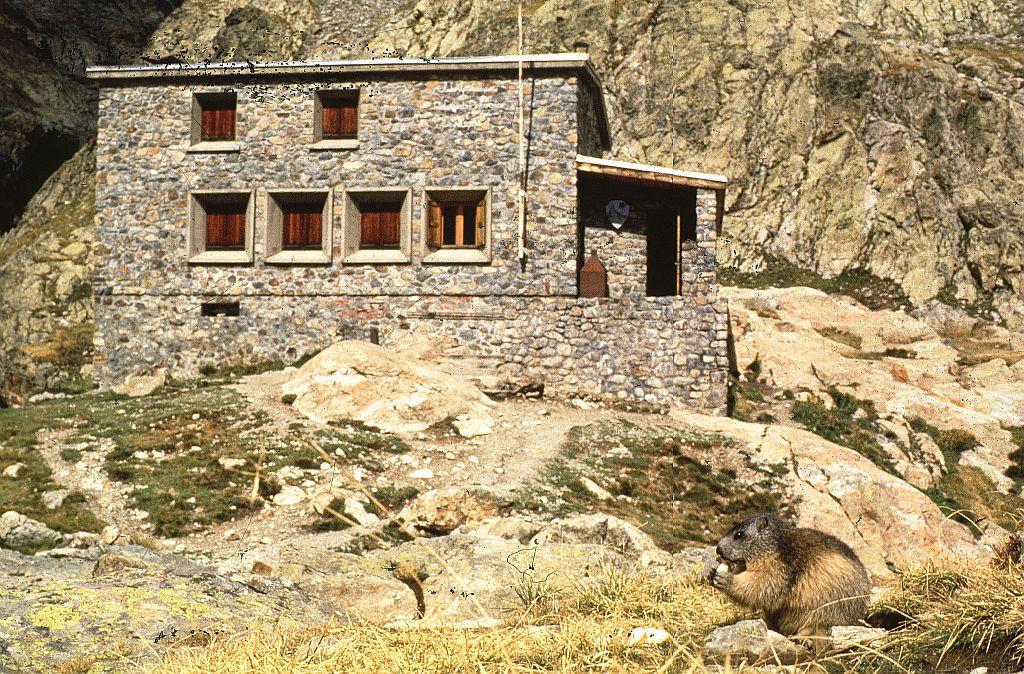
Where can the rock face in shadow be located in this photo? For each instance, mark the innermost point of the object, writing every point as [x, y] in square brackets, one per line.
[47, 109]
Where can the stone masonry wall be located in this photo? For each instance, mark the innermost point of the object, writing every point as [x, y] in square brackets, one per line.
[414, 134]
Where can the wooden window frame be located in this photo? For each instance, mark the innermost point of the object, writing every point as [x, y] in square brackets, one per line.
[276, 252]
[198, 202]
[319, 98]
[480, 251]
[197, 143]
[352, 218]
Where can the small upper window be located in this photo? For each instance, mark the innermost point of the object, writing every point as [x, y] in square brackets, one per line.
[337, 115]
[213, 118]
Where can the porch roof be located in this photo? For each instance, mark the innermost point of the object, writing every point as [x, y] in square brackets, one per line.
[649, 173]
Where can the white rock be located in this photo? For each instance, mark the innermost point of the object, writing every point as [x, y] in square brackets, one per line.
[289, 495]
[650, 636]
[595, 489]
[472, 427]
[581, 404]
[110, 534]
[230, 463]
[13, 470]
[422, 474]
[845, 637]
[357, 511]
[54, 499]
[289, 473]
[140, 385]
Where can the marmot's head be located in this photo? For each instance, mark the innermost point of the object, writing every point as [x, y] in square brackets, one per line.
[752, 539]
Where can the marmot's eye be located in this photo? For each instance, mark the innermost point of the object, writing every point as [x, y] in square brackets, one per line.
[738, 535]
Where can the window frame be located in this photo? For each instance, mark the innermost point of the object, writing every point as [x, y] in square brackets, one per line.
[276, 253]
[195, 240]
[321, 143]
[196, 142]
[478, 254]
[352, 226]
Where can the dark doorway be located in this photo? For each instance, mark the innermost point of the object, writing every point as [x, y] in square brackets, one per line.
[662, 253]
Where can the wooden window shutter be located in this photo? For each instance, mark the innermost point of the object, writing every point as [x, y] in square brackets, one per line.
[369, 228]
[349, 119]
[481, 212]
[434, 224]
[225, 227]
[389, 226]
[301, 226]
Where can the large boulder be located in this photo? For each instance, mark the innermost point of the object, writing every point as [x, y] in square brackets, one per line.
[394, 391]
[883, 518]
[441, 511]
[808, 341]
[19, 532]
[606, 530]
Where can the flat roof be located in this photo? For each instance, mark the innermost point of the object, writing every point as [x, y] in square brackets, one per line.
[625, 169]
[352, 66]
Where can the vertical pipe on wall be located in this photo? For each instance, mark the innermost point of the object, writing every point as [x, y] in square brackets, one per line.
[522, 146]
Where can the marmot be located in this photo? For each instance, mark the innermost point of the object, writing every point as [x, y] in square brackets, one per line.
[804, 580]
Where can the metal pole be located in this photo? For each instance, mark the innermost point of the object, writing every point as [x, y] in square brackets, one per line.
[522, 146]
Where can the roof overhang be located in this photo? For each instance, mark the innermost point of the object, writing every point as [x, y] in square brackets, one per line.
[649, 174]
[381, 66]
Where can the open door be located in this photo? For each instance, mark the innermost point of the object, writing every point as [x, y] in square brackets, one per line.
[663, 255]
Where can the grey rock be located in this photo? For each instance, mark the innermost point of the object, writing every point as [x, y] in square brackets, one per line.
[751, 642]
[18, 531]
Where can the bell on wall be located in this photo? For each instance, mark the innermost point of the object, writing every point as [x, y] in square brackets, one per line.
[617, 211]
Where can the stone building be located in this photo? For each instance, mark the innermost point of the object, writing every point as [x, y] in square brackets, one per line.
[256, 212]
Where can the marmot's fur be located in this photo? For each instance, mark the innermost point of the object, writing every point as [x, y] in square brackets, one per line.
[805, 581]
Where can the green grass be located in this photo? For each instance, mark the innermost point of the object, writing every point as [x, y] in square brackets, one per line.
[183, 489]
[841, 336]
[872, 291]
[843, 426]
[672, 490]
[23, 494]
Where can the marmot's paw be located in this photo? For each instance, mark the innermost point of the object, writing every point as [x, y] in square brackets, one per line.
[722, 577]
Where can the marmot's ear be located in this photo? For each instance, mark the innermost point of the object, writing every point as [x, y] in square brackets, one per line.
[762, 523]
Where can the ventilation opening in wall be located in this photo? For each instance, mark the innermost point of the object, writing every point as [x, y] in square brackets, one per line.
[219, 309]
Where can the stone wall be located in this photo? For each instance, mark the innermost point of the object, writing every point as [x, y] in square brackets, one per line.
[658, 349]
[415, 134]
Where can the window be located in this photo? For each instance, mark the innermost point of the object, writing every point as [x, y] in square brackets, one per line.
[377, 226]
[456, 225]
[220, 227]
[213, 121]
[336, 119]
[299, 226]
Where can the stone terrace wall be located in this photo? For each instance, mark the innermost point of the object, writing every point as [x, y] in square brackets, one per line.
[659, 349]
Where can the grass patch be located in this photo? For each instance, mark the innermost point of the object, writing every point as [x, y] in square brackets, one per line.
[844, 426]
[966, 491]
[661, 478]
[841, 336]
[1016, 469]
[872, 291]
[19, 444]
[169, 447]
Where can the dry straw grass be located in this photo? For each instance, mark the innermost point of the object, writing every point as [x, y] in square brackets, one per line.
[950, 617]
[582, 628]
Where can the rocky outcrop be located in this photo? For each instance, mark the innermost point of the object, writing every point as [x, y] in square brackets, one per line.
[394, 392]
[46, 286]
[835, 489]
[47, 110]
[805, 340]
